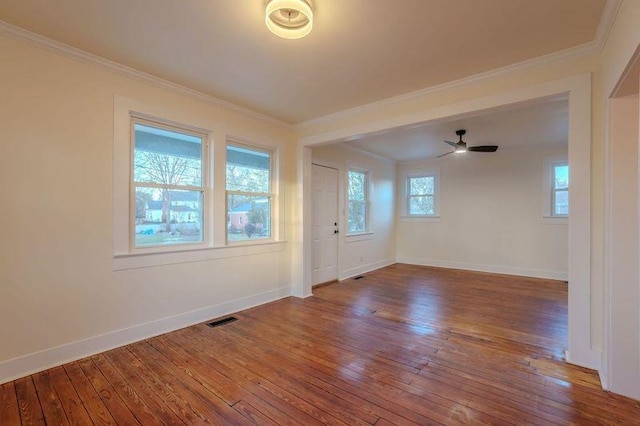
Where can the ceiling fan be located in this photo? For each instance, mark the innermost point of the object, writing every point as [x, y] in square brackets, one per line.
[461, 146]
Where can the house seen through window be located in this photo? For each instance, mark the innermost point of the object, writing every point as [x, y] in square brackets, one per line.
[249, 196]
[168, 182]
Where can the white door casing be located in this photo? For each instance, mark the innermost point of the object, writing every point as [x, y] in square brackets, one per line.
[324, 189]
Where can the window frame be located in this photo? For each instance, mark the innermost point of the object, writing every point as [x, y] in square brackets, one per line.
[552, 170]
[366, 202]
[214, 247]
[547, 197]
[272, 195]
[408, 196]
[205, 188]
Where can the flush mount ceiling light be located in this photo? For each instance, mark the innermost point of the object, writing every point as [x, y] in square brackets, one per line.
[289, 18]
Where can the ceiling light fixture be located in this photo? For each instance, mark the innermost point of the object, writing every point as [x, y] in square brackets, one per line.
[289, 19]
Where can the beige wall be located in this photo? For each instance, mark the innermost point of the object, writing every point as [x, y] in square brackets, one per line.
[363, 253]
[491, 215]
[622, 285]
[623, 310]
[57, 283]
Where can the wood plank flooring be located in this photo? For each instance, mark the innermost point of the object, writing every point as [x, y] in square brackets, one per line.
[404, 345]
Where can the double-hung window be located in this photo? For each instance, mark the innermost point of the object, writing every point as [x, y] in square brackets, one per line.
[421, 195]
[168, 182]
[249, 193]
[358, 201]
[560, 189]
[168, 205]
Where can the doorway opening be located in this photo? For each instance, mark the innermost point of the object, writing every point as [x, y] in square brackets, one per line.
[578, 91]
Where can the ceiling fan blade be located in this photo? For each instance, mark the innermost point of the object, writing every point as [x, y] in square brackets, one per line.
[453, 144]
[483, 148]
[440, 156]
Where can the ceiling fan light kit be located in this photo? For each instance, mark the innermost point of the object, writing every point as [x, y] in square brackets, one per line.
[461, 146]
[290, 19]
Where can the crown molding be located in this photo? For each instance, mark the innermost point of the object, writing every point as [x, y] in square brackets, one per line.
[50, 45]
[607, 19]
[604, 27]
[628, 84]
[573, 52]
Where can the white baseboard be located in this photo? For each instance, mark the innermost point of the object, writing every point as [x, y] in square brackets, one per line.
[496, 269]
[38, 361]
[591, 359]
[604, 371]
[363, 269]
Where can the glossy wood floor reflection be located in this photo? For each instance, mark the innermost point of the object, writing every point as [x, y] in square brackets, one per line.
[403, 345]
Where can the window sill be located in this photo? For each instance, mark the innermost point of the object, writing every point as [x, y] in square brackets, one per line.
[420, 219]
[249, 242]
[125, 261]
[361, 236]
[555, 220]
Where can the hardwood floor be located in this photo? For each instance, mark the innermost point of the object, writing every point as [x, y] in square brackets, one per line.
[403, 345]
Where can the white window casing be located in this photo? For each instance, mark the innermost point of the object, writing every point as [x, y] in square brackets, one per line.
[358, 191]
[555, 198]
[213, 244]
[421, 190]
[425, 196]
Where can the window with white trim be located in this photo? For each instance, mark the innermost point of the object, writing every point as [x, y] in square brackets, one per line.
[164, 169]
[560, 189]
[168, 184]
[249, 193]
[421, 195]
[357, 201]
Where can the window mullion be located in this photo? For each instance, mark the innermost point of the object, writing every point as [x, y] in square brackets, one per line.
[249, 194]
[167, 186]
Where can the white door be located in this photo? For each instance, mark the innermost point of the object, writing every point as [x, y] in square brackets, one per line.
[325, 224]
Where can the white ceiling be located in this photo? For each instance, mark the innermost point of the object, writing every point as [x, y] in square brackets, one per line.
[359, 51]
[530, 124]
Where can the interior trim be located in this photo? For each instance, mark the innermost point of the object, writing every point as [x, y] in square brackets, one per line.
[63, 49]
[38, 361]
[604, 27]
[606, 22]
[493, 269]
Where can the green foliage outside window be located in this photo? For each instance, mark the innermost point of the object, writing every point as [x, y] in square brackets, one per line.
[357, 203]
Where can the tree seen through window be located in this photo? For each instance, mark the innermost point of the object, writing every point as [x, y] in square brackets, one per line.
[357, 201]
[168, 179]
[249, 197]
[420, 195]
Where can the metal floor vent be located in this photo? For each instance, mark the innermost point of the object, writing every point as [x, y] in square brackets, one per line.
[359, 277]
[222, 321]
